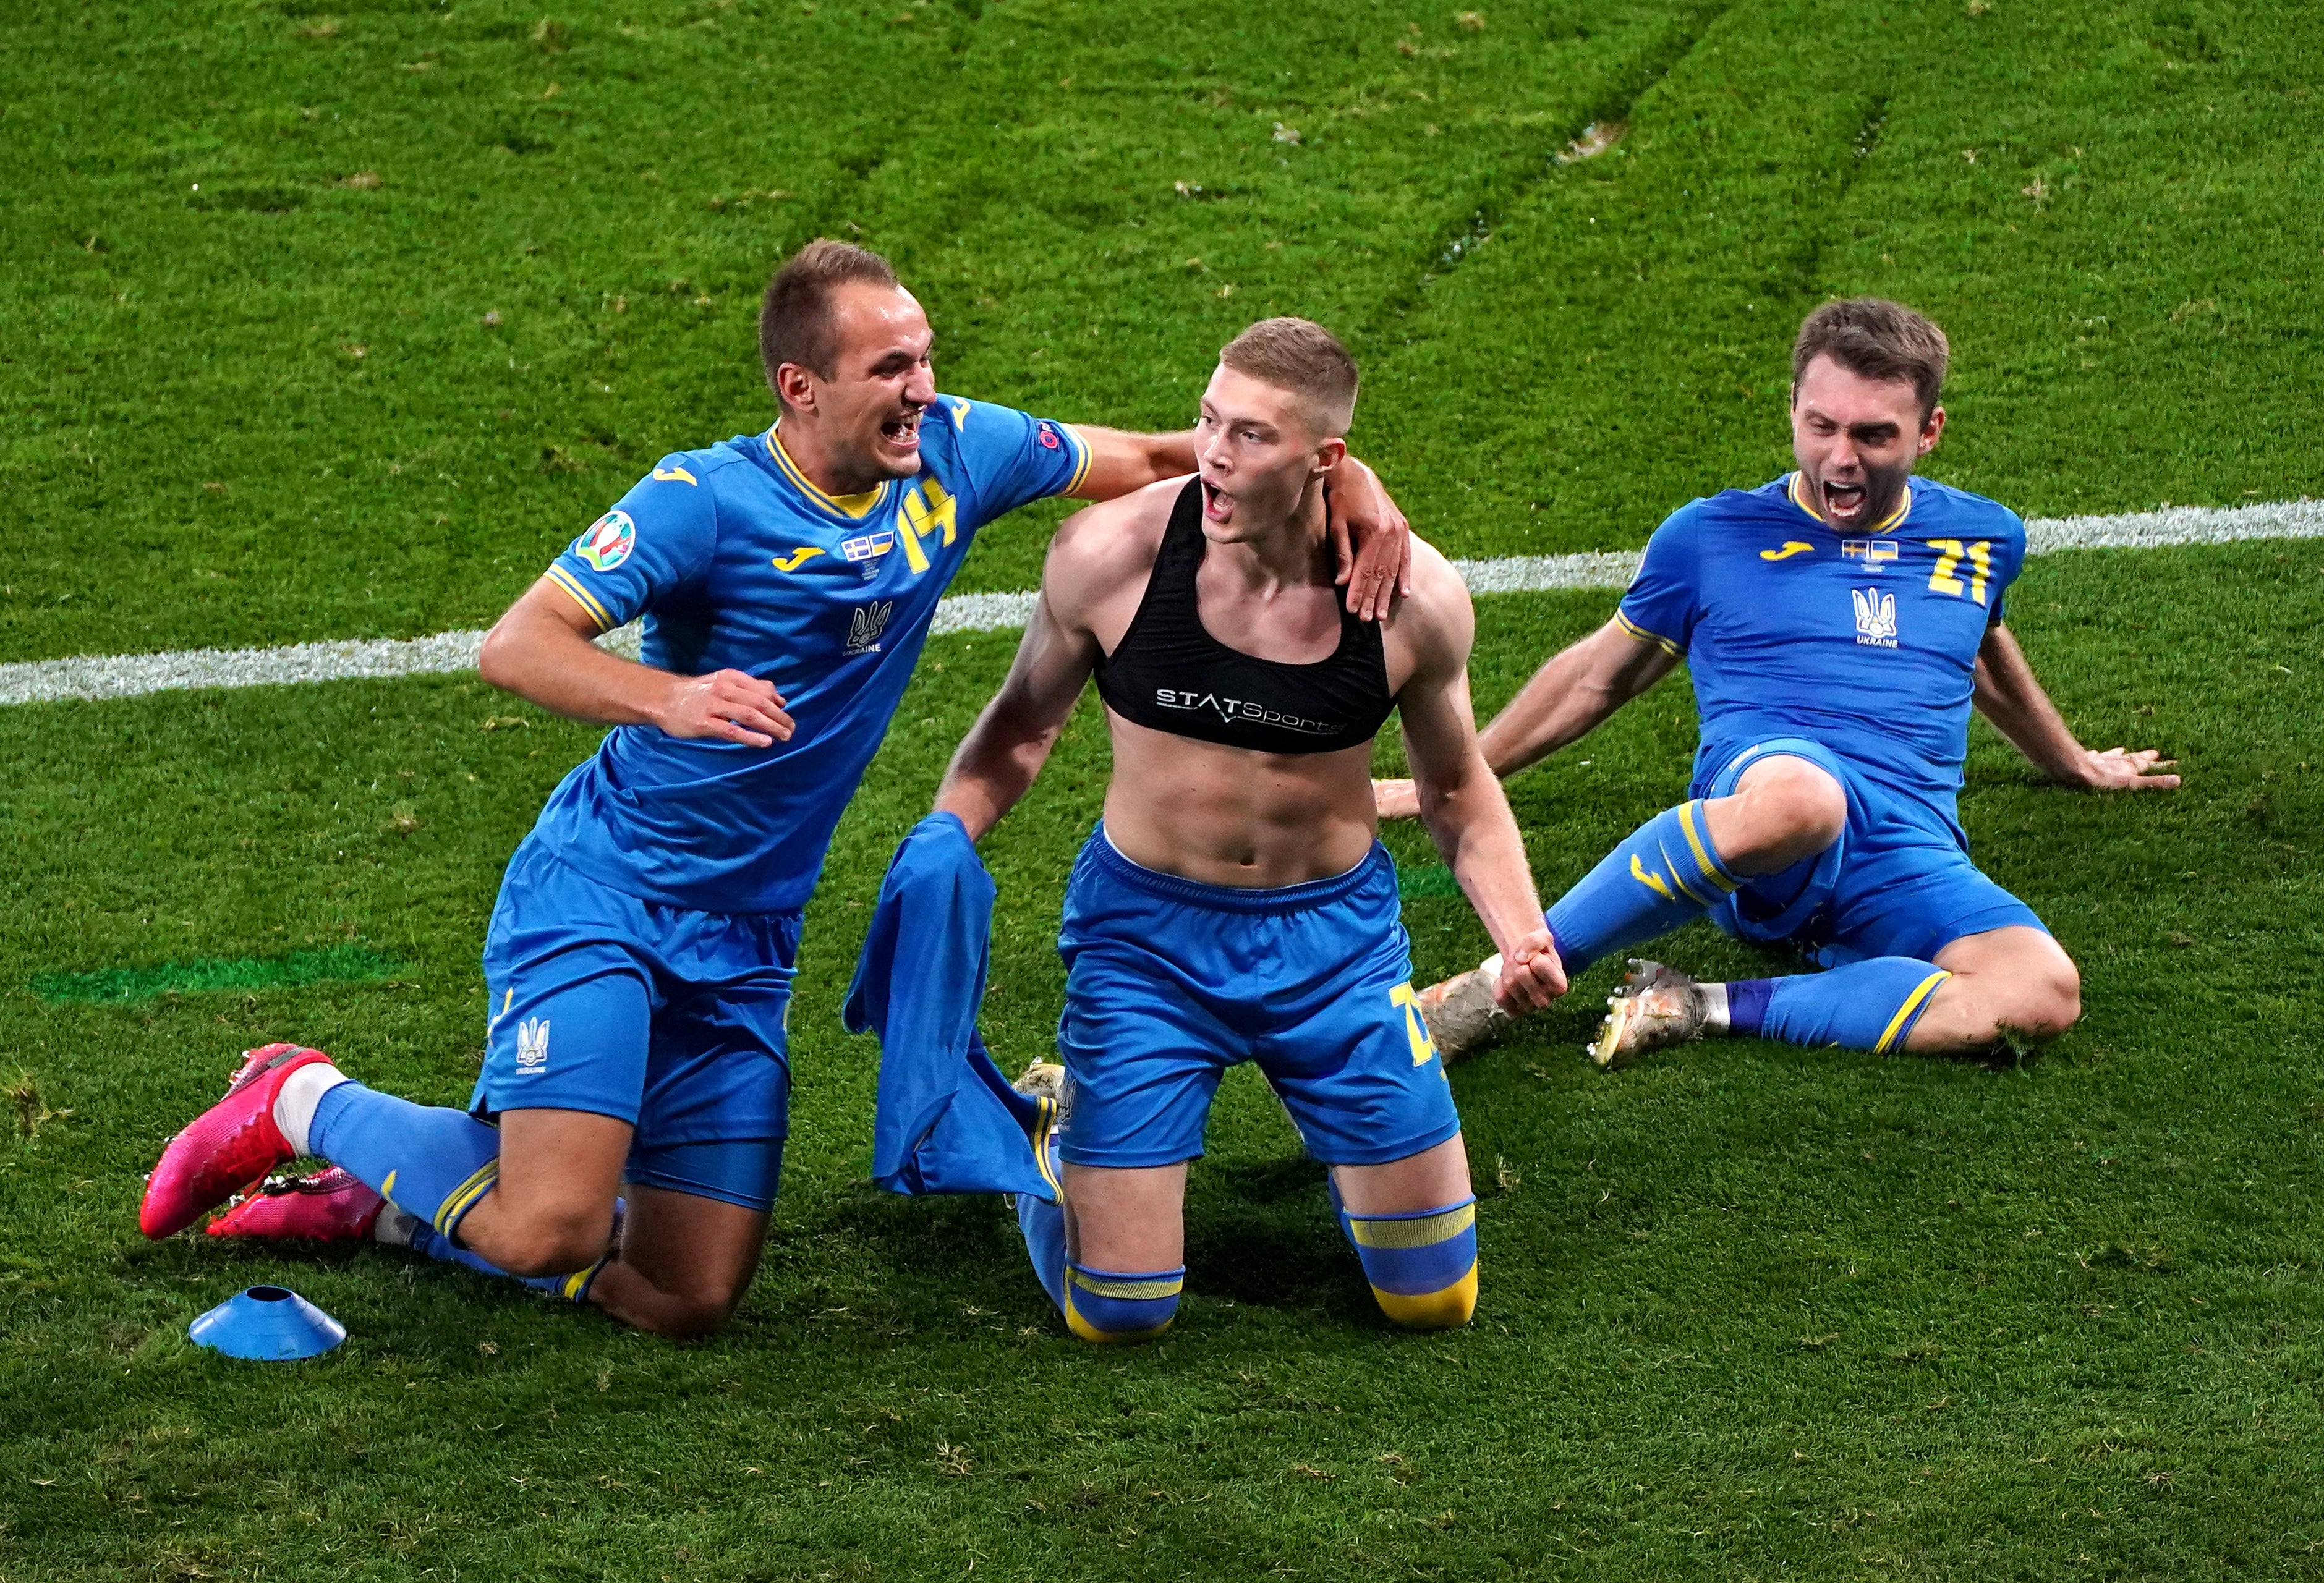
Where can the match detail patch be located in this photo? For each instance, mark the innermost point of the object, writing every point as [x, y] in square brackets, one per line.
[608, 540]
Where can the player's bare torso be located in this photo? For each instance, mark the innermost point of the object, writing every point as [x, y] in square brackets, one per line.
[1220, 814]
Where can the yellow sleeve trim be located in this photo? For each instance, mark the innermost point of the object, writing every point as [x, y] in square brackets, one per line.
[583, 598]
[1082, 468]
[1904, 1013]
[1643, 635]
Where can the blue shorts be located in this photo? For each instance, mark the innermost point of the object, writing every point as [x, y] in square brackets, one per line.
[670, 1019]
[1898, 881]
[1170, 982]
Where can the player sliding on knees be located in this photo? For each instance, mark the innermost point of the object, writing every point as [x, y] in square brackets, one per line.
[1838, 624]
[1234, 904]
[640, 958]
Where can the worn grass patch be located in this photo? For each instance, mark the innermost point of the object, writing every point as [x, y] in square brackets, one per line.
[246, 974]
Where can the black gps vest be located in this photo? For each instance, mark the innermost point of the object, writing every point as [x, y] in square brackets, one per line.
[1170, 674]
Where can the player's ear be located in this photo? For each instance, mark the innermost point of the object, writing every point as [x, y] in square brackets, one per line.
[795, 386]
[1329, 454]
[1932, 428]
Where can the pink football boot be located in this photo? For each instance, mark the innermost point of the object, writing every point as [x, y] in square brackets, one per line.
[329, 1206]
[229, 1147]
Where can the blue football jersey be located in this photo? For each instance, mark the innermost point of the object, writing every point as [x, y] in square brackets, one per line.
[736, 561]
[1864, 640]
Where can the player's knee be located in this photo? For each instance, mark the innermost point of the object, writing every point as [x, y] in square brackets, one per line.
[1108, 1306]
[2048, 1002]
[1801, 801]
[1421, 1266]
[554, 1241]
[693, 1316]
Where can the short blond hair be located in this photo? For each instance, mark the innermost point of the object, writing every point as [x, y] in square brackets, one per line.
[1300, 356]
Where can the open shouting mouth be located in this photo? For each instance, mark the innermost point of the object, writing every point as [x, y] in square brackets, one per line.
[1844, 502]
[1218, 505]
[901, 434]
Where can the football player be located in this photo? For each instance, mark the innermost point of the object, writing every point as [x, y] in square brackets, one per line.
[1840, 624]
[640, 955]
[1235, 903]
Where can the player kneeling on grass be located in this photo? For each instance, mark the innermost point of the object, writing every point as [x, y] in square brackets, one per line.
[639, 959]
[1840, 622]
[1234, 904]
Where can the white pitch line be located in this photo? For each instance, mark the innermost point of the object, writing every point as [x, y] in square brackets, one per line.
[130, 675]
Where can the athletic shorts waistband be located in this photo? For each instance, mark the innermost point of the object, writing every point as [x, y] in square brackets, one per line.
[1236, 899]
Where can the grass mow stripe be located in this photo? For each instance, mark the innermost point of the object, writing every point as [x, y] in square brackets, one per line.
[127, 986]
[130, 676]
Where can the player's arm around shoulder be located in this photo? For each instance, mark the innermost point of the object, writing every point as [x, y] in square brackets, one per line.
[1096, 567]
[1460, 797]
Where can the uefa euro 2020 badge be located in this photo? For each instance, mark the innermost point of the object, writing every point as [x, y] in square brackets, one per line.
[608, 540]
[532, 1044]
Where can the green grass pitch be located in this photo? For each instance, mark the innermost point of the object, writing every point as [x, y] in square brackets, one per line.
[327, 320]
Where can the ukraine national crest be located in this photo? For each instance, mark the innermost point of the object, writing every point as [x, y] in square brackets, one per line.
[1876, 617]
[608, 542]
[532, 1044]
[865, 625]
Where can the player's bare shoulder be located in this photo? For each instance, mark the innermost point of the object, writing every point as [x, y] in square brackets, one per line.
[1429, 632]
[1103, 555]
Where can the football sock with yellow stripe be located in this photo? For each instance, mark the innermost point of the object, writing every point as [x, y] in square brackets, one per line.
[1113, 1305]
[573, 1288]
[1663, 873]
[1422, 1265]
[1869, 1004]
[430, 1162]
[1044, 1225]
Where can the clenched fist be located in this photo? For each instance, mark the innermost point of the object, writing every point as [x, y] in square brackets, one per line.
[1531, 975]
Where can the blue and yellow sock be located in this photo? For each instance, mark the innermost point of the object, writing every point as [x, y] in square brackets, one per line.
[1869, 1004]
[1114, 1305]
[427, 1161]
[1422, 1265]
[573, 1288]
[1663, 873]
[1044, 1225]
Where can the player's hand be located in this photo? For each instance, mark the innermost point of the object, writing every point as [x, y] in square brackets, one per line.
[1531, 974]
[730, 705]
[2124, 770]
[1370, 541]
[1396, 799]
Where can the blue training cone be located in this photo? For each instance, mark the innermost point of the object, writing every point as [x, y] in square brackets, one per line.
[271, 1324]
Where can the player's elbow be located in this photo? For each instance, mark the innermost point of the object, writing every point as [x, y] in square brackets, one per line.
[496, 660]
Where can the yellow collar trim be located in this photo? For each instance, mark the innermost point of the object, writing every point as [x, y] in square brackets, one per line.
[1893, 520]
[855, 506]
